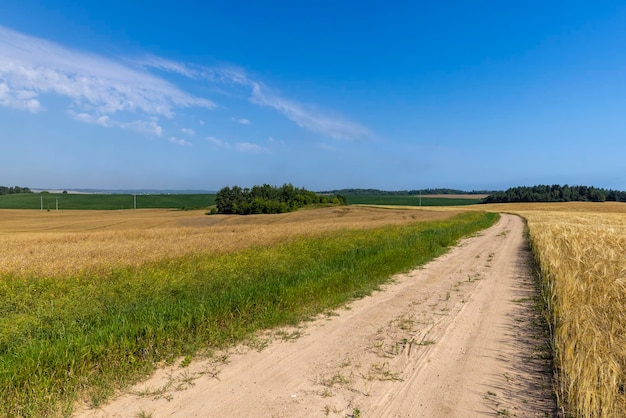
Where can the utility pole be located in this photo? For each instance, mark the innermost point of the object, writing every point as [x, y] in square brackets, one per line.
[134, 200]
[57, 203]
[420, 198]
[41, 198]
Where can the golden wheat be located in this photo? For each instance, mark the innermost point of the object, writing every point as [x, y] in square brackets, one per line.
[581, 248]
[67, 242]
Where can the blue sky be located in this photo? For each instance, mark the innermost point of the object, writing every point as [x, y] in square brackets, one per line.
[325, 95]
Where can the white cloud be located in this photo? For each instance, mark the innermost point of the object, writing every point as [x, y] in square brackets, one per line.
[103, 120]
[179, 141]
[31, 67]
[246, 147]
[305, 116]
[218, 142]
[167, 65]
[188, 131]
[311, 119]
[19, 99]
[242, 121]
[143, 126]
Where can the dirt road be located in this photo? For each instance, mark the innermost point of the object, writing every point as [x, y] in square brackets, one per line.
[456, 338]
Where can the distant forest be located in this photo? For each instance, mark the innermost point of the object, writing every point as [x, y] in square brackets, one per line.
[14, 190]
[376, 192]
[555, 193]
[269, 199]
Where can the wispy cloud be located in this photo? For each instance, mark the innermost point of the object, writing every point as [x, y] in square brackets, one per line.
[106, 91]
[241, 121]
[306, 116]
[19, 99]
[188, 131]
[246, 147]
[218, 142]
[179, 141]
[32, 67]
[145, 126]
[309, 118]
[103, 120]
[141, 126]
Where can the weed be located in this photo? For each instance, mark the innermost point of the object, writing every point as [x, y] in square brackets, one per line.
[337, 379]
[144, 414]
[326, 393]
[289, 336]
[186, 361]
[382, 372]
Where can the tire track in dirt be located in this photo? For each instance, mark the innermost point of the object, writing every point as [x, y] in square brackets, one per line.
[456, 338]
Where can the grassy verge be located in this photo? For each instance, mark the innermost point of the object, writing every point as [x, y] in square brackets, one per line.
[84, 336]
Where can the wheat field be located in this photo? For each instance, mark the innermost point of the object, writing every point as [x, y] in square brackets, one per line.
[67, 242]
[581, 249]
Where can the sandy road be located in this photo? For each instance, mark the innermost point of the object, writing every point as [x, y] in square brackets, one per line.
[456, 338]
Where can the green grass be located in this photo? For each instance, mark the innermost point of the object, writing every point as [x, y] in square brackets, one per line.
[83, 337]
[408, 200]
[105, 201]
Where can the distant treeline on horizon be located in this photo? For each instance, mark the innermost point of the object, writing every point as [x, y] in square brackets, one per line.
[539, 193]
[14, 190]
[555, 193]
[376, 192]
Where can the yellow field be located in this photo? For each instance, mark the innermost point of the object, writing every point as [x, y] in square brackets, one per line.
[582, 251]
[65, 242]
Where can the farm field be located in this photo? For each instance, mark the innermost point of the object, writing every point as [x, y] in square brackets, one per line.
[581, 248]
[92, 301]
[43, 242]
[83, 201]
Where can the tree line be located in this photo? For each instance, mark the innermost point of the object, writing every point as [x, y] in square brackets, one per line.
[14, 190]
[376, 192]
[555, 193]
[269, 199]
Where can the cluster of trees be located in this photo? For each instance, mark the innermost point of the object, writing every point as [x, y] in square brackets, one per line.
[269, 199]
[14, 190]
[376, 192]
[555, 193]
